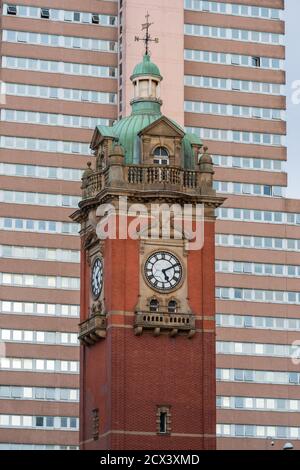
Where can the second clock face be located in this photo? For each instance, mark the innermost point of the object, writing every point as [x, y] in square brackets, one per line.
[163, 271]
[97, 277]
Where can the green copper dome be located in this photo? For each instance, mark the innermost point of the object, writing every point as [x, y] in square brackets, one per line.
[126, 132]
[146, 68]
[145, 111]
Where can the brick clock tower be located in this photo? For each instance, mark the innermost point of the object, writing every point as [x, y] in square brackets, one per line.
[147, 327]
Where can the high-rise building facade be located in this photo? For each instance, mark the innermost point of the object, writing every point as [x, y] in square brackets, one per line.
[58, 77]
[65, 69]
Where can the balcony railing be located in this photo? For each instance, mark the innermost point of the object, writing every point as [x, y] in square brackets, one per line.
[92, 330]
[173, 323]
[150, 176]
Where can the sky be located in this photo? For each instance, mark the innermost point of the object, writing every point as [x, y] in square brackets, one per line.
[293, 110]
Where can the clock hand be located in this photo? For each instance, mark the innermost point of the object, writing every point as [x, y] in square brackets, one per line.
[171, 267]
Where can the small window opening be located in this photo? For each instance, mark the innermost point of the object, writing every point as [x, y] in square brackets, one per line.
[11, 10]
[163, 422]
[45, 13]
[172, 306]
[154, 305]
[161, 156]
[256, 61]
[95, 19]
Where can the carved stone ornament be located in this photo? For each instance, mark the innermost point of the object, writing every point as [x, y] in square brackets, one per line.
[97, 308]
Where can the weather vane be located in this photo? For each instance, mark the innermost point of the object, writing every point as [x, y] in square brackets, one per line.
[147, 38]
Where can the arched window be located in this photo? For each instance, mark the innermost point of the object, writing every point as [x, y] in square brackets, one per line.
[172, 306]
[161, 156]
[154, 305]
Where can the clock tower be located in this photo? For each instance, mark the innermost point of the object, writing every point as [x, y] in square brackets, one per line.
[147, 326]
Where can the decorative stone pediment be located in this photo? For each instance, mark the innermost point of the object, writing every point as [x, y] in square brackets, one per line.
[162, 127]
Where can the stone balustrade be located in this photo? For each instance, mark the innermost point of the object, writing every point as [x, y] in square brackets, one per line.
[173, 323]
[142, 177]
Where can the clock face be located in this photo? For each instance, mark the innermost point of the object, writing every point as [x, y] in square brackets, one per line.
[97, 277]
[163, 271]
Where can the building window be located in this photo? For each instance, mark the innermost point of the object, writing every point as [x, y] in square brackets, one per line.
[163, 420]
[11, 10]
[39, 421]
[172, 306]
[154, 305]
[95, 19]
[256, 61]
[76, 16]
[45, 13]
[161, 156]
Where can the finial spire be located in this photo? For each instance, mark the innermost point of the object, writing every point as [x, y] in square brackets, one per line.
[147, 38]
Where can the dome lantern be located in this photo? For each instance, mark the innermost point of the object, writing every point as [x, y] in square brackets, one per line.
[146, 79]
[147, 129]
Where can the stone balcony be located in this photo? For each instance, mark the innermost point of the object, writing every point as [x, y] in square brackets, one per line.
[158, 322]
[92, 330]
[142, 177]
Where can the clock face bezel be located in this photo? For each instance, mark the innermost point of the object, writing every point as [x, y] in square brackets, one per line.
[161, 288]
[97, 261]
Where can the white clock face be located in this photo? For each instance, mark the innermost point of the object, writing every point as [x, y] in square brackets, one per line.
[163, 271]
[97, 278]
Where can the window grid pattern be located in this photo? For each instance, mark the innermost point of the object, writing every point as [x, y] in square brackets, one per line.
[38, 226]
[247, 189]
[242, 137]
[258, 295]
[258, 376]
[39, 365]
[53, 40]
[257, 349]
[40, 253]
[42, 172]
[233, 34]
[24, 11]
[257, 216]
[234, 111]
[257, 269]
[67, 94]
[12, 307]
[228, 84]
[51, 119]
[39, 199]
[37, 422]
[12, 392]
[233, 9]
[52, 66]
[258, 432]
[38, 281]
[257, 322]
[38, 337]
[245, 163]
[42, 145]
[196, 55]
[14, 446]
[263, 243]
[258, 404]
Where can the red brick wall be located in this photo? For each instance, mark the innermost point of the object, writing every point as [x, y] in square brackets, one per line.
[128, 376]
